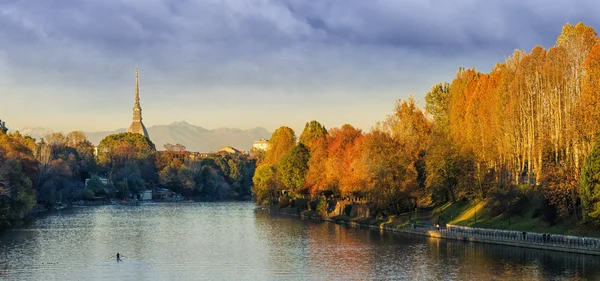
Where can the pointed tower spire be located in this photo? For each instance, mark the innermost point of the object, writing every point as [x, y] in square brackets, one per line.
[137, 87]
[137, 109]
[137, 126]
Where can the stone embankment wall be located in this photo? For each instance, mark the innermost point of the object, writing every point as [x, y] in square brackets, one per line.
[554, 242]
[355, 209]
[564, 243]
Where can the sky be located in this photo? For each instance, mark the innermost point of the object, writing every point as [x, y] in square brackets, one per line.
[70, 65]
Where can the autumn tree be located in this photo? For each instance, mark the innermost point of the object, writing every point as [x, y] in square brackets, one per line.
[392, 178]
[448, 172]
[339, 158]
[411, 130]
[315, 138]
[282, 140]
[17, 169]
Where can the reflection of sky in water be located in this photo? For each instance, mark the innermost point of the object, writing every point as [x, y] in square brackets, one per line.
[230, 241]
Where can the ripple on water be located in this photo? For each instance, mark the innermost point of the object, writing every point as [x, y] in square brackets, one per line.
[231, 241]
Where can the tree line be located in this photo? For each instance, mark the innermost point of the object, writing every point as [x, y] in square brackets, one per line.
[54, 171]
[516, 136]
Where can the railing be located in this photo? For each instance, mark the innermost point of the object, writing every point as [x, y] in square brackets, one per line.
[546, 239]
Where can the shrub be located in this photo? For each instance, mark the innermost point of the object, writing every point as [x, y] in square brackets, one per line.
[321, 208]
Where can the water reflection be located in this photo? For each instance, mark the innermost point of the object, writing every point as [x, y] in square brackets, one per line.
[231, 241]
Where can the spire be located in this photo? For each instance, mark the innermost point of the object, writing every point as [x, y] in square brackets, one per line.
[137, 126]
[137, 109]
[137, 87]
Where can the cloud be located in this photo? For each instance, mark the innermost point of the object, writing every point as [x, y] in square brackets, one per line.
[263, 50]
[213, 31]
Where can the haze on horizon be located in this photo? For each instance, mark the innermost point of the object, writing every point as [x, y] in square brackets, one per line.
[251, 63]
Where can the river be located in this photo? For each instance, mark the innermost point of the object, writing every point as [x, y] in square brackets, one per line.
[232, 241]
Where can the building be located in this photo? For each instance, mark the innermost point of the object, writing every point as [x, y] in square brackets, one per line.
[262, 144]
[104, 181]
[137, 127]
[145, 195]
[3, 128]
[229, 150]
[197, 155]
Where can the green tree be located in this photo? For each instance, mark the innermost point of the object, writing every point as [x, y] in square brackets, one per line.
[208, 182]
[438, 105]
[293, 169]
[116, 151]
[313, 130]
[266, 184]
[589, 186]
[87, 160]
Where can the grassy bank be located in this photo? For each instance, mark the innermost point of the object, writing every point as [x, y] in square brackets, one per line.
[477, 215]
[465, 214]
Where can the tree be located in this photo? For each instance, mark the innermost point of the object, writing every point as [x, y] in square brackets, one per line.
[86, 159]
[74, 138]
[316, 176]
[313, 130]
[56, 139]
[391, 175]
[18, 167]
[438, 105]
[587, 108]
[282, 140]
[266, 184]
[17, 196]
[339, 157]
[590, 186]
[293, 169]
[208, 182]
[115, 151]
[315, 138]
[577, 40]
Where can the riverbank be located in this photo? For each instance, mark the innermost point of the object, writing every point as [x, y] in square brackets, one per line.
[402, 224]
[479, 215]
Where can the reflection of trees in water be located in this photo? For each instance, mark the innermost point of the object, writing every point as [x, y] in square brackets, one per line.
[316, 250]
[285, 239]
[337, 251]
[485, 261]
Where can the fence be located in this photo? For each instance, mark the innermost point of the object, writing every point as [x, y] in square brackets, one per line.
[542, 239]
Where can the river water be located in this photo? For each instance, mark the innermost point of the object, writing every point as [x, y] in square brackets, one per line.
[232, 241]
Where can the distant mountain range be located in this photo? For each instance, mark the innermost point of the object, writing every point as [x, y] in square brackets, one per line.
[195, 138]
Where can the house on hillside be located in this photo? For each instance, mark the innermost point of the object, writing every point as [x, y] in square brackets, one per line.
[229, 150]
[197, 155]
[262, 144]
